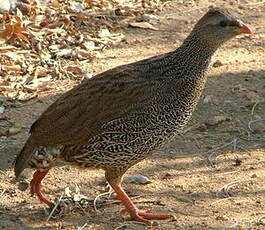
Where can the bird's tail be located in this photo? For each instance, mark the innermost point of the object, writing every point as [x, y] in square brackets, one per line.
[24, 156]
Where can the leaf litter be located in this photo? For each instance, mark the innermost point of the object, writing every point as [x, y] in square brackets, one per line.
[42, 42]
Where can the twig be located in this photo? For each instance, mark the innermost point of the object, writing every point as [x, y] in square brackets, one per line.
[242, 148]
[254, 121]
[84, 211]
[230, 172]
[223, 199]
[255, 3]
[251, 138]
[188, 213]
[81, 228]
[234, 144]
[122, 226]
[225, 188]
[221, 147]
[216, 149]
[103, 202]
[248, 133]
[96, 198]
[55, 206]
[102, 194]
[253, 108]
[184, 12]
[136, 223]
[261, 219]
[2, 193]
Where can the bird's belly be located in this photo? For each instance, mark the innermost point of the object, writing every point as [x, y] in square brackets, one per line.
[121, 148]
[122, 144]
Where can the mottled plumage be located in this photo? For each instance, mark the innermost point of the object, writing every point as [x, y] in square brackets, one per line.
[121, 116]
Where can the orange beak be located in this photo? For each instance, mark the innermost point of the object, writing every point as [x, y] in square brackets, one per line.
[244, 30]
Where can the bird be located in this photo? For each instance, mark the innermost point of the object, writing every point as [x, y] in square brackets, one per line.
[121, 116]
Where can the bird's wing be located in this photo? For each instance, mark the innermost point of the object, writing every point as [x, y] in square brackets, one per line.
[80, 113]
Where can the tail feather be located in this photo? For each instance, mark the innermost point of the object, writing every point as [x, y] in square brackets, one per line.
[24, 156]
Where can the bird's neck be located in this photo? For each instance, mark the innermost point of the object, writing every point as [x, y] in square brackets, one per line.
[192, 60]
[197, 52]
[195, 55]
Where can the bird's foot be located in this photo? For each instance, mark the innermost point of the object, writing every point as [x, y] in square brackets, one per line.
[137, 214]
[145, 215]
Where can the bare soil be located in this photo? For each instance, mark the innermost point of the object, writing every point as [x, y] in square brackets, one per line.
[211, 177]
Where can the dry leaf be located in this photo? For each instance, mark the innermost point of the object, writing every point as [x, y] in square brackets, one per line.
[253, 98]
[13, 130]
[14, 30]
[74, 69]
[11, 68]
[148, 17]
[4, 49]
[64, 53]
[143, 25]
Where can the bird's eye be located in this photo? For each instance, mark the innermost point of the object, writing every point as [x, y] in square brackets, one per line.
[223, 23]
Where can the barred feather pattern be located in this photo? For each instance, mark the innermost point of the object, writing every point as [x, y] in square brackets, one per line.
[151, 101]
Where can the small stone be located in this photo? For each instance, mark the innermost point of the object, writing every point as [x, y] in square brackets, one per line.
[202, 128]
[238, 162]
[223, 217]
[207, 99]
[23, 185]
[167, 176]
[139, 179]
[217, 63]
[216, 120]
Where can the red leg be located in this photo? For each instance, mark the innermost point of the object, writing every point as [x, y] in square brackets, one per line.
[35, 186]
[137, 214]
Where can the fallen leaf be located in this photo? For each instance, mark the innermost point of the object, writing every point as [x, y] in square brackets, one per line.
[104, 33]
[11, 68]
[64, 53]
[75, 7]
[143, 25]
[74, 69]
[79, 197]
[253, 98]
[83, 54]
[14, 30]
[4, 49]
[13, 130]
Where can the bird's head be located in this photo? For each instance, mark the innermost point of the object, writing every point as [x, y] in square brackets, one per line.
[218, 25]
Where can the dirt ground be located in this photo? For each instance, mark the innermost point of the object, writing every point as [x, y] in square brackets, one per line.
[211, 177]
